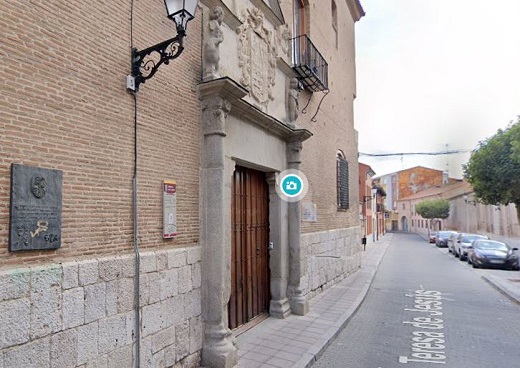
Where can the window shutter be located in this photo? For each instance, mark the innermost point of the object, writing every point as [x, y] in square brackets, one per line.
[343, 184]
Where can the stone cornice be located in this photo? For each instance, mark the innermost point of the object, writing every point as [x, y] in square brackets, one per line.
[224, 87]
[356, 10]
[286, 69]
[231, 91]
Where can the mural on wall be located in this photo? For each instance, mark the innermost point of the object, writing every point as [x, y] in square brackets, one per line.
[257, 56]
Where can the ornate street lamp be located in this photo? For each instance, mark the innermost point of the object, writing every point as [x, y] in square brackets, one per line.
[181, 12]
[374, 192]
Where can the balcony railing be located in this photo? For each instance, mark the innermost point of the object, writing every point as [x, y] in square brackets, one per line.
[309, 64]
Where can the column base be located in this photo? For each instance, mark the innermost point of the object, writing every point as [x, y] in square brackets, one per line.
[280, 308]
[299, 305]
[218, 348]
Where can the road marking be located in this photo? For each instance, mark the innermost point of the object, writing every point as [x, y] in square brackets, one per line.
[405, 359]
[427, 343]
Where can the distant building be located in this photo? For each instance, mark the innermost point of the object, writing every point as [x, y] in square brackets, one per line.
[404, 183]
[365, 199]
[466, 213]
[409, 220]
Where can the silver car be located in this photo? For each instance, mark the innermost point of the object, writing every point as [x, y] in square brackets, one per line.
[452, 242]
[463, 243]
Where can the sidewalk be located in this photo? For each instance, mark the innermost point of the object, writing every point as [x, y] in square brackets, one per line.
[297, 341]
[506, 282]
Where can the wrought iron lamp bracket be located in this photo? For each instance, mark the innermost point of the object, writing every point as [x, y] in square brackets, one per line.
[144, 67]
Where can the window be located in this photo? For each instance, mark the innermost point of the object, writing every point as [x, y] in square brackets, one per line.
[335, 22]
[412, 222]
[404, 206]
[342, 181]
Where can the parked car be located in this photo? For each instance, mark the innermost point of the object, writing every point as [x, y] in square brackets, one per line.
[492, 253]
[452, 241]
[442, 238]
[463, 242]
[433, 236]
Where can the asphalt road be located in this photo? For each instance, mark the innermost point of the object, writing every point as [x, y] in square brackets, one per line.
[426, 308]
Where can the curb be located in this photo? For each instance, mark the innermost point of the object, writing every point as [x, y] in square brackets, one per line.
[316, 350]
[504, 287]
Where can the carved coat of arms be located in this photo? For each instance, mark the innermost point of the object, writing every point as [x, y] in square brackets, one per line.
[257, 56]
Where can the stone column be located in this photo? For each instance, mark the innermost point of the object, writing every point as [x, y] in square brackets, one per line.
[279, 255]
[298, 302]
[218, 348]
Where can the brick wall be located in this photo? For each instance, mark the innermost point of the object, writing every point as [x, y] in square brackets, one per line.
[333, 129]
[64, 106]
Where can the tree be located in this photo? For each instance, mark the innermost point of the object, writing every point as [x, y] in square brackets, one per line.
[433, 209]
[493, 169]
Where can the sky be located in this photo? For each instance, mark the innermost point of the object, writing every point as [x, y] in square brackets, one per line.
[434, 75]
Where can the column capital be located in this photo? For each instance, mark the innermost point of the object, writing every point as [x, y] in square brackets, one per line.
[294, 145]
[214, 114]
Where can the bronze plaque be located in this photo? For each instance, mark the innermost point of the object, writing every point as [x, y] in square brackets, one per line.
[35, 218]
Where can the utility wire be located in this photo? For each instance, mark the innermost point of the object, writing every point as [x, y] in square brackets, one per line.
[450, 152]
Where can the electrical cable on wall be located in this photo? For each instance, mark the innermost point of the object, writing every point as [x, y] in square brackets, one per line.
[304, 110]
[137, 278]
[325, 93]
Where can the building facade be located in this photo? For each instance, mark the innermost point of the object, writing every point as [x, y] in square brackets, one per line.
[365, 199]
[143, 228]
[467, 214]
[409, 220]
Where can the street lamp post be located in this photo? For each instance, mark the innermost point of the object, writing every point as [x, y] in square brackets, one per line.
[374, 212]
[143, 66]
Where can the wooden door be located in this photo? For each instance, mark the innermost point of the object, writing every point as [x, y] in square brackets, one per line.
[250, 290]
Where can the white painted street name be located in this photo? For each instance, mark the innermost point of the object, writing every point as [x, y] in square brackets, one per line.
[428, 338]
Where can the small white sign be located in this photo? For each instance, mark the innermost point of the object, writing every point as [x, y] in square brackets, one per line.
[309, 212]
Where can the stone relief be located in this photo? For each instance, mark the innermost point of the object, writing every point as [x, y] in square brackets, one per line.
[38, 186]
[213, 39]
[256, 56]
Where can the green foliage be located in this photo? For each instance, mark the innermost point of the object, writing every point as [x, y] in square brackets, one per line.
[493, 169]
[433, 209]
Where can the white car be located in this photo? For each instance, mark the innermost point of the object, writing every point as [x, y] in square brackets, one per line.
[463, 242]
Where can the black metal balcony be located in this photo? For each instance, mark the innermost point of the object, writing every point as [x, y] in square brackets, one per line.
[309, 64]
